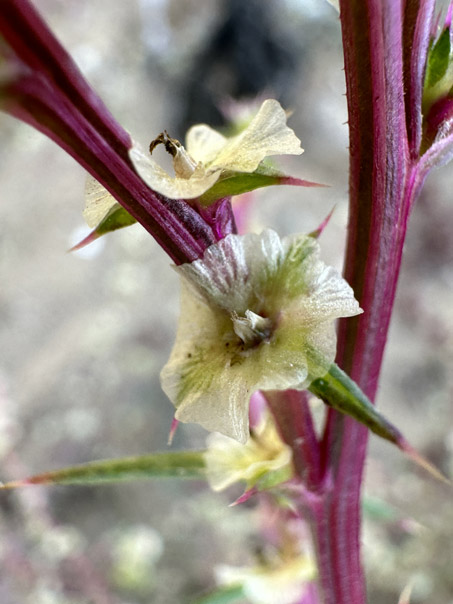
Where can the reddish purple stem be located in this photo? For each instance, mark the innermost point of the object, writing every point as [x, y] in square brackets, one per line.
[383, 182]
[295, 424]
[47, 90]
[385, 45]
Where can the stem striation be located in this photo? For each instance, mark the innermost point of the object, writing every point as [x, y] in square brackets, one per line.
[383, 180]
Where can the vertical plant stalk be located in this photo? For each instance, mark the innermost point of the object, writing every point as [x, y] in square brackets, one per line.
[46, 90]
[291, 410]
[382, 186]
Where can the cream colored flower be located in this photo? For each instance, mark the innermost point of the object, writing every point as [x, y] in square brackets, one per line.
[264, 460]
[282, 582]
[210, 155]
[257, 313]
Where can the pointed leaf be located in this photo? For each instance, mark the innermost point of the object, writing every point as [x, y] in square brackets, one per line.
[117, 218]
[224, 595]
[236, 183]
[318, 232]
[177, 464]
[439, 72]
[246, 495]
[438, 60]
[340, 392]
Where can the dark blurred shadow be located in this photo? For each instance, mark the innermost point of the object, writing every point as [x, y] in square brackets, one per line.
[245, 56]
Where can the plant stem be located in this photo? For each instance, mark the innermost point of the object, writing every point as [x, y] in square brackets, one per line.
[45, 89]
[381, 194]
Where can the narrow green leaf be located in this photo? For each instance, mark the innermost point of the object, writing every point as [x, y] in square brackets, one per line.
[439, 72]
[338, 391]
[236, 183]
[438, 60]
[117, 218]
[177, 464]
[224, 595]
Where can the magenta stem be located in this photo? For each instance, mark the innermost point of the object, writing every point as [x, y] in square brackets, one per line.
[46, 90]
[292, 414]
[382, 186]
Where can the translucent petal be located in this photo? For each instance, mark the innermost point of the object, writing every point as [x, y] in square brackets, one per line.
[282, 284]
[197, 377]
[227, 461]
[331, 296]
[224, 274]
[173, 187]
[209, 382]
[98, 202]
[267, 134]
[203, 143]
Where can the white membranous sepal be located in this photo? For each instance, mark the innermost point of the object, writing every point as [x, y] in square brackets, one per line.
[208, 154]
[264, 458]
[288, 334]
[98, 202]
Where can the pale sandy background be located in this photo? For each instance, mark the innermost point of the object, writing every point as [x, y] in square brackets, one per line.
[83, 336]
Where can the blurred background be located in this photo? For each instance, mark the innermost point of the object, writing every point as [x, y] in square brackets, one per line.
[83, 336]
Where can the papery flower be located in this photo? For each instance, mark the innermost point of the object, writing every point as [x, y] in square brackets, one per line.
[282, 582]
[257, 313]
[212, 169]
[210, 156]
[265, 460]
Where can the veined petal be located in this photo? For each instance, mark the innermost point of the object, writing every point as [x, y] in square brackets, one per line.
[173, 187]
[98, 202]
[288, 300]
[228, 461]
[223, 275]
[203, 143]
[267, 134]
[198, 379]
[216, 156]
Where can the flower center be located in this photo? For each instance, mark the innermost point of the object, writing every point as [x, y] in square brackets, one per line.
[252, 329]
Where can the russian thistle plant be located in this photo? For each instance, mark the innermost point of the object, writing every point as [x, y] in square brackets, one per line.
[258, 311]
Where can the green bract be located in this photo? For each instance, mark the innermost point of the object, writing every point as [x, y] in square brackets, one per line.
[257, 313]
